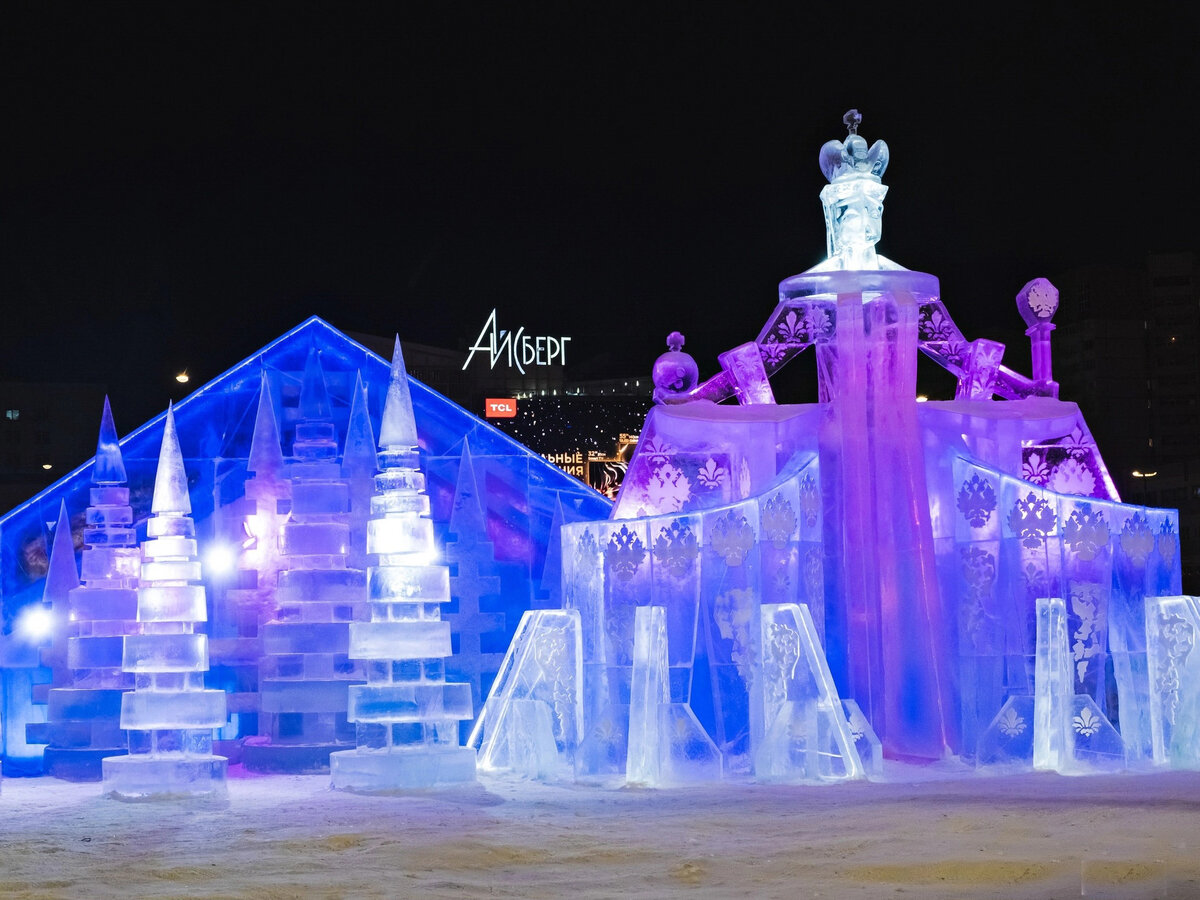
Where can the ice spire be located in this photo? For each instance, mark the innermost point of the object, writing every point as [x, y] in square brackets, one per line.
[359, 454]
[467, 520]
[62, 575]
[266, 454]
[170, 483]
[399, 428]
[314, 397]
[109, 467]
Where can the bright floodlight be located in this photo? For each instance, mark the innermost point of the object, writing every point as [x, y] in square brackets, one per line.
[182, 377]
[35, 623]
[220, 559]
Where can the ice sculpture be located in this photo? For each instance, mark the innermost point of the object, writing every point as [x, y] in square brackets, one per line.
[1172, 624]
[532, 722]
[169, 716]
[85, 703]
[306, 667]
[406, 715]
[919, 536]
[253, 524]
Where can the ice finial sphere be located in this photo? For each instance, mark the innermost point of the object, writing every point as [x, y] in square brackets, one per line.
[170, 482]
[109, 467]
[399, 427]
[675, 372]
[1037, 301]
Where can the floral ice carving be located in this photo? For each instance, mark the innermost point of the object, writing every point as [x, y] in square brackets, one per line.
[1034, 469]
[1072, 476]
[1168, 543]
[732, 538]
[810, 501]
[1087, 722]
[1178, 638]
[976, 501]
[657, 452]
[676, 548]
[710, 475]
[1086, 532]
[1136, 539]
[732, 613]
[778, 520]
[1085, 605]
[1011, 724]
[1032, 519]
[668, 489]
[979, 572]
[792, 329]
[624, 553]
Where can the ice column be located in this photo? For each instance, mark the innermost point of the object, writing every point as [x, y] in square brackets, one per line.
[170, 715]
[406, 714]
[84, 713]
[305, 668]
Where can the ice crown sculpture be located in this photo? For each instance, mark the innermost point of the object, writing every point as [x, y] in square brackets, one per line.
[853, 200]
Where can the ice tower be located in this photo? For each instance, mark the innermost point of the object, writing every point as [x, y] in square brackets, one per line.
[170, 716]
[85, 709]
[306, 668]
[407, 715]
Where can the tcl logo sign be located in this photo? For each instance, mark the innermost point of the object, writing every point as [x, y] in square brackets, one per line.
[500, 408]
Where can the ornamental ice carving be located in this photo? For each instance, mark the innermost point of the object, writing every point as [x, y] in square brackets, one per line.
[676, 548]
[732, 538]
[1086, 532]
[1032, 519]
[624, 553]
[976, 501]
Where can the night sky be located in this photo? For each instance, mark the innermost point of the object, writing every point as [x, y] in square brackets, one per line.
[181, 183]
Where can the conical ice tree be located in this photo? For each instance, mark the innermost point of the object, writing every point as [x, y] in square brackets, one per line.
[170, 716]
[406, 714]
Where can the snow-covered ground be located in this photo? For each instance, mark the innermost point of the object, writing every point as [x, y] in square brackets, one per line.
[1122, 836]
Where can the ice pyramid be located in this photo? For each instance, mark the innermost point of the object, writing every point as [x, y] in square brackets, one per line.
[406, 715]
[170, 716]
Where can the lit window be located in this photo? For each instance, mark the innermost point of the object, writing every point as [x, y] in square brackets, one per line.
[12, 414]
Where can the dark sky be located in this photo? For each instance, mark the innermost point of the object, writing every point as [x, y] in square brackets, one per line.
[180, 183]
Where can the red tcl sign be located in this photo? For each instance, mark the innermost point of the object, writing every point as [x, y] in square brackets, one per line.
[500, 408]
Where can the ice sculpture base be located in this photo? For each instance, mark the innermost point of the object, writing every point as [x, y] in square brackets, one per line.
[289, 759]
[77, 763]
[164, 777]
[365, 771]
